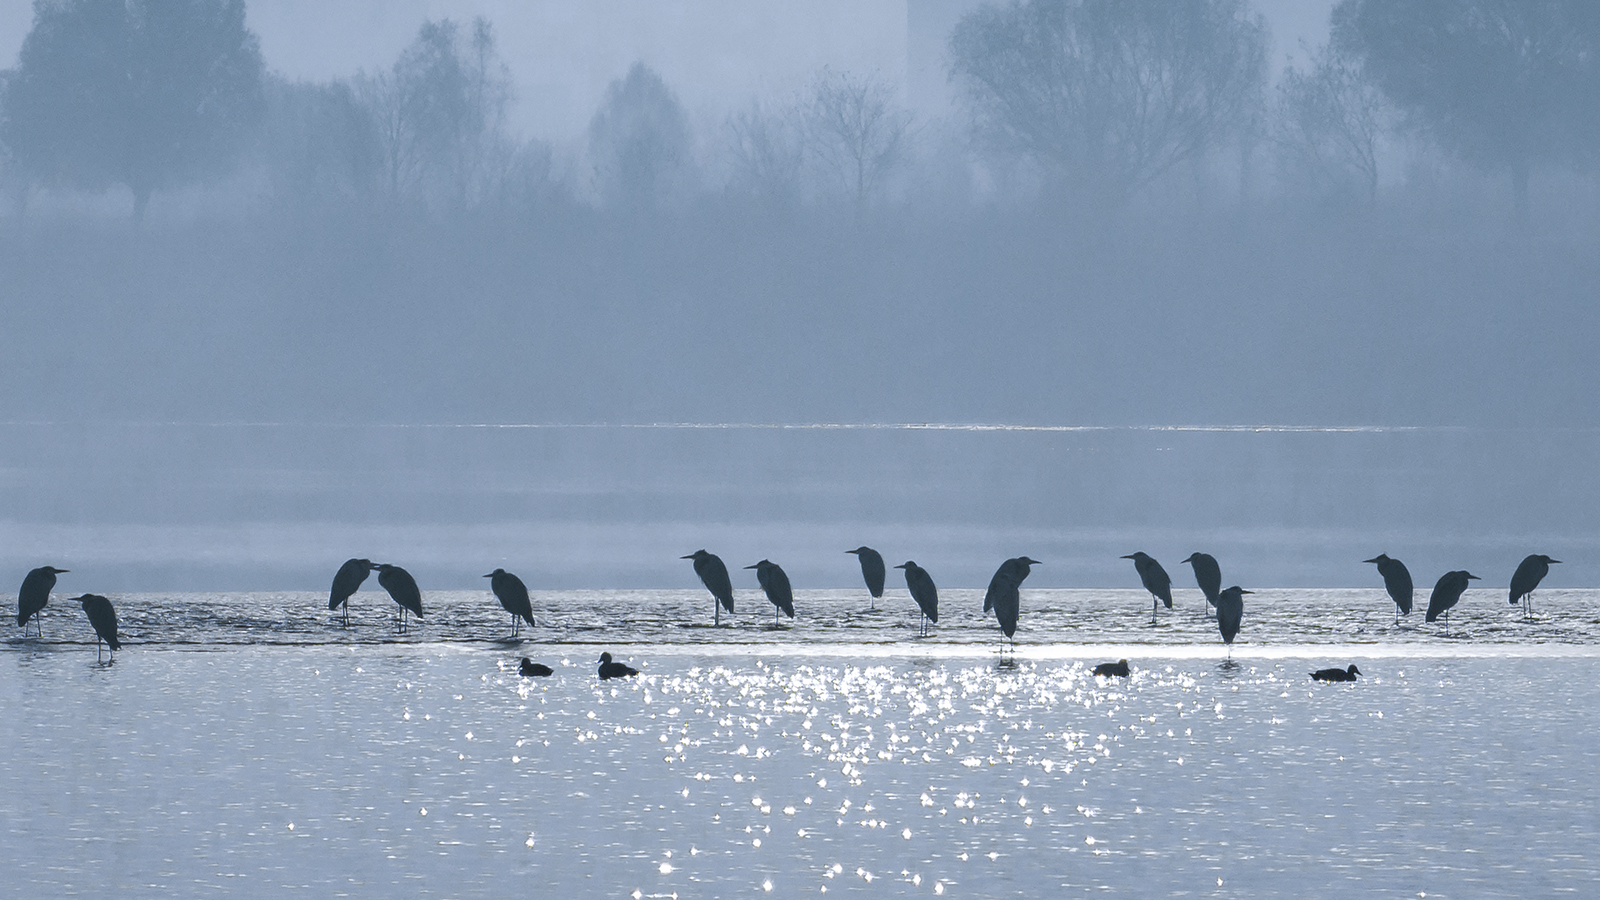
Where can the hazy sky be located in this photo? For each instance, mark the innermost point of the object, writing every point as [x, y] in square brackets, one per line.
[563, 53]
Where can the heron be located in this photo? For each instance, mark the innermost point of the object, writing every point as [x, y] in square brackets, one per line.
[1529, 573]
[1230, 612]
[714, 575]
[403, 588]
[346, 582]
[1118, 669]
[1207, 574]
[103, 617]
[1397, 581]
[1004, 596]
[530, 669]
[920, 584]
[1155, 580]
[610, 670]
[1446, 593]
[776, 584]
[1348, 674]
[35, 593]
[872, 570]
[513, 597]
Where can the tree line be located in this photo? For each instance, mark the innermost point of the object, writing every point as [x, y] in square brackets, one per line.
[1085, 103]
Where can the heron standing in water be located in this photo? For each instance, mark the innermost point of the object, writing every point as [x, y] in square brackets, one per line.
[1230, 614]
[776, 586]
[1447, 593]
[103, 618]
[1005, 597]
[1397, 581]
[1208, 575]
[403, 588]
[1527, 577]
[872, 572]
[920, 583]
[1155, 580]
[714, 575]
[35, 593]
[513, 597]
[345, 582]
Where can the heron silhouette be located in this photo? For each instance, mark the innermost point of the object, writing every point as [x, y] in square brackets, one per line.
[872, 571]
[1208, 575]
[1230, 613]
[1529, 573]
[513, 597]
[610, 670]
[403, 588]
[1397, 581]
[920, 584]
[35, 593]
[776, 586]
[346, 582]
[1447, 593]
[1118, 669]
[1155, 580]
[1348, 674]
[530, 669]
[1005, 597]
[103, 618]
[714, 575]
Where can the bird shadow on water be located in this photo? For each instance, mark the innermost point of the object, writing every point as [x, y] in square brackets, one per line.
[1229, 668]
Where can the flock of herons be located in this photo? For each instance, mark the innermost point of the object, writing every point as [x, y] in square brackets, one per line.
[1002, 598]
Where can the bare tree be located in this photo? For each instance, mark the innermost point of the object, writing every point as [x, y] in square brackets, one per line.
[1109, 94]
[439, 113]
[858, 130]
[767, 146]
[1329, 121]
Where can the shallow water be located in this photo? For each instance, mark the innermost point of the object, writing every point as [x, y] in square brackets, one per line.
[242, 745]
[434, 770]
[824, 618]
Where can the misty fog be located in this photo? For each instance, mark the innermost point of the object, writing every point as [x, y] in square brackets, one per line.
[430, 306]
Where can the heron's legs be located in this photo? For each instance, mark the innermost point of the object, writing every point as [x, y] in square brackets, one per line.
[1152, 610]
[716, 612]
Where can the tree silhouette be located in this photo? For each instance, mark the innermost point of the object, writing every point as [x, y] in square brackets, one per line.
[140, 93]
[639, 141]
[1109, 94]
[1498, 83]
[857, 129]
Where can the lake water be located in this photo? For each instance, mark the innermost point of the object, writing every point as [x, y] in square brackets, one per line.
[244, 745]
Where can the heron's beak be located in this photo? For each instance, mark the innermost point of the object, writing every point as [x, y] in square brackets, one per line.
[1243, 591]
[856, 552]
[690, 556]
[490, 575]
[901, 566]
[756, 566]
[1129, 556]
[1554, 561]
[1373, 560]
[1473, 577]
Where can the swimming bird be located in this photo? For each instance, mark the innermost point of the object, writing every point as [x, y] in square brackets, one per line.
[403, 588]
[1230, 613]
[513, 597]
[872, 570]
[345, 582]
[1397, 581]
[35, 593]
[609, 669]
[1207, 574]
[104, 620]
[1004, 594]
[1155, 580]
[1446, 593]
[1118, 669]
[714, 575]
[776, 584]
[920, 583]
[531, 669]
[1529, 573]
[1336, 674]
